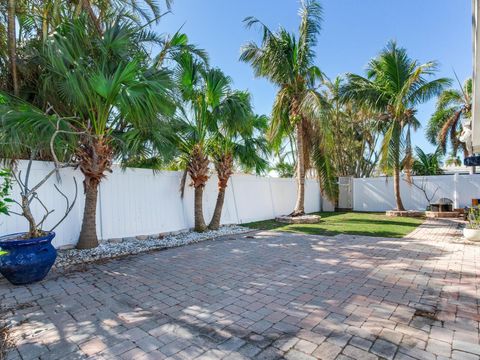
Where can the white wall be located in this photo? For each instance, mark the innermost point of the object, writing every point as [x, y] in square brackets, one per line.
[139, 202]
[376, 194]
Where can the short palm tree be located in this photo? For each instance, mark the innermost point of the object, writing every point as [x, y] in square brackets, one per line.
[288, 62]
[395, 84]
[239, 139]
[206, 97]
[445, 124]
[115, 96]
[453, 160]
[427, 164]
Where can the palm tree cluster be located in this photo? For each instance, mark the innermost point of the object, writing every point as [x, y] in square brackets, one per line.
[83, 69]
[351, 126]
[87, 76]
[288, 61]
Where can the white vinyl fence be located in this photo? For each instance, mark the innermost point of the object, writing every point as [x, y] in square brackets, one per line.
[139, 202]
[376, 194]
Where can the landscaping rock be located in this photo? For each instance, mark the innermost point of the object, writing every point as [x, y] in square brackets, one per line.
[133, 245]
[304, 219]
[407, 213]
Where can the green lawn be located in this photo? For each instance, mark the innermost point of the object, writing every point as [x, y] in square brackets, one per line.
[370, 224]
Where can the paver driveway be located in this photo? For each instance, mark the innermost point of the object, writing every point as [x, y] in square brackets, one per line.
[272, 296]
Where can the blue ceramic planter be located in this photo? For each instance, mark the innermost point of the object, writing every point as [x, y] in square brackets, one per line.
[27, 260]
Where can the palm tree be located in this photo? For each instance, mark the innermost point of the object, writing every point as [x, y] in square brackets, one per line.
[207, 97]
[395, 84]
[445, 124]
[238, 139]
[427, 164]
[453, 160]
[12, 45]
[116, 96]
[38, 19]
[288, 62]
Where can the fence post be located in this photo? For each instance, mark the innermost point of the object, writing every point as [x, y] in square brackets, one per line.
[234, 199]
[271, 198]
[455, 190]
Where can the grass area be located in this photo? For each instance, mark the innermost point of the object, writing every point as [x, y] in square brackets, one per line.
[369, 224]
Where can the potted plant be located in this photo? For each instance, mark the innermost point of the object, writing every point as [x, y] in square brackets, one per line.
[472, 230]
[28, 132]
[28, 256]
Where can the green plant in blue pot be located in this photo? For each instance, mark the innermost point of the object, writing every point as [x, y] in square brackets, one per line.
[27, 257]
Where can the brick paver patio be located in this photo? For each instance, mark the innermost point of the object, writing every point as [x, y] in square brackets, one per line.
[272, 296]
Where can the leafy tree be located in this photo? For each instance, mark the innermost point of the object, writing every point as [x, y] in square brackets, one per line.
[395, 84]
[427, 164]
[284, 169]
[445, 125]
[356, 134]
[288, 62]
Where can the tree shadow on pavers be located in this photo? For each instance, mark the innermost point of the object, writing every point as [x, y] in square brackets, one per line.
[342, 255]
[302, 286]
[174, 335]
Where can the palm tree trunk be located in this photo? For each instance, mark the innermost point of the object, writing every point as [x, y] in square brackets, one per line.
[300, 205]
[396, 187]
[217, 213]
[88, 235]
[224, 168]
[12, 46]
[87, 6]
[198, 170]
[45, 24]
[200, 225]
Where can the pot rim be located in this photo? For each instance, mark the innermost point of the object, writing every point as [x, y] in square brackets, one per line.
[11, 240]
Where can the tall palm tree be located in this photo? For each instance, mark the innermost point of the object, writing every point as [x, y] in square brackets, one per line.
[395, 84]
[206, 97]
[288, 62]
[445, 125]
[116, 95]
[239, 138]
[427, 164]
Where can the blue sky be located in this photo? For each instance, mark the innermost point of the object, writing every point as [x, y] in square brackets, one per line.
[353, 32]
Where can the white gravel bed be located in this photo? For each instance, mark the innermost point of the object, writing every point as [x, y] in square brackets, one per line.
[130, 246]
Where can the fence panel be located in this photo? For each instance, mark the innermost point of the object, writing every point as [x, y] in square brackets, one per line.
[67, 232]
[376, 194]
[135, 202]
